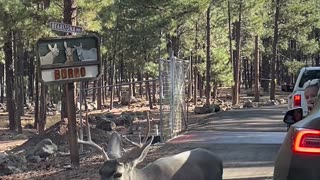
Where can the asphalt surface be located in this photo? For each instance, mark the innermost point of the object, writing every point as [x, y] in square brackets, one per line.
[247, 140]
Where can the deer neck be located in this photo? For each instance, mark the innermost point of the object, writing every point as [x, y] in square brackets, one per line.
[145, 174]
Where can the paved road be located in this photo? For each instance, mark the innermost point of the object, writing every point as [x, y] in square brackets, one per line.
[246, 139]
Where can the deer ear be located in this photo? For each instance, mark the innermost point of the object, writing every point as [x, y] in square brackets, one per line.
[143, 152]
[65, 44]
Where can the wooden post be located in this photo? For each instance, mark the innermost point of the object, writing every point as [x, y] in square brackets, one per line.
[69, 18]
[72, 125]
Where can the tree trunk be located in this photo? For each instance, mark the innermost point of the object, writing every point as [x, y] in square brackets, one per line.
[121, 76]
[36, 108]
[154, 91]
[19, 85]
[148, 92]
[99, 94]
[1, 83]
[231, 60]
[245, 70]
[140, 83]
[215, 91]
[9, 80]
[237, 58]
[43, 109]
[196, 77]
[256, 71]
[94, 91]
[208, 62]
[112, 82]
[200, 86]
[133, 85]
[251, 80]
[274, 51]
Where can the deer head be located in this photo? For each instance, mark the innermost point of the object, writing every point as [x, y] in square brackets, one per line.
[117, 165]
[123, 168]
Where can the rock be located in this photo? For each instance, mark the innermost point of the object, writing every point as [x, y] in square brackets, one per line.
[29, 126]
[216, 107]
[229, 96]
[109, 115]
[44, 149]
[248, 104]
[203, 110]
[250, 93]
[135, 100]
[11, 164]
[282, 101]
[125, 100]
[237, 106]
[125, 119]
[34, 159]
[106, 125]
[272, 103]
[20, 137]
[101, 117]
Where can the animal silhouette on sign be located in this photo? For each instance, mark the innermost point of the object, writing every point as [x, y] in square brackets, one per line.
[69, 54]
[49, 58]
[86, 54]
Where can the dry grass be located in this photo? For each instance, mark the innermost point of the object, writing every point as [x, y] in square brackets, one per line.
[51, 120]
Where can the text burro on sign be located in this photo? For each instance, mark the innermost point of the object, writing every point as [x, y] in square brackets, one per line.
[69, 73]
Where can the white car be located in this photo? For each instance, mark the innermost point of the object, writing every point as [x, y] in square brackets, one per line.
[296, 98]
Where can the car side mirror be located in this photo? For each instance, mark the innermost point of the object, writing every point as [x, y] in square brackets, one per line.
[292, 116]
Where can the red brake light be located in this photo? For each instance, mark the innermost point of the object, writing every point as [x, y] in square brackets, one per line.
[307, 141]
[297, 100]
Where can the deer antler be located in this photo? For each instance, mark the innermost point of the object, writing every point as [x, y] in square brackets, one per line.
[145, 137]
[148, 129]
[90, 142]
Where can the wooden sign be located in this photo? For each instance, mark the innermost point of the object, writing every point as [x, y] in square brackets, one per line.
[69, 59]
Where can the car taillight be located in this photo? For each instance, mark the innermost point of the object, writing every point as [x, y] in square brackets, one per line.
[297, 100]
[307, 141]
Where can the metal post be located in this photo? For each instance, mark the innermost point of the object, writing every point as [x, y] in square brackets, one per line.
[172, 93]
[160, 94]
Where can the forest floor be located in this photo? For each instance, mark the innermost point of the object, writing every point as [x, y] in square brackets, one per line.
[56, 167]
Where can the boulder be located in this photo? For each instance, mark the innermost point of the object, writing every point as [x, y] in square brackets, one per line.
[44, 149]
[106, 125]
[125, 100]
[34, 159]
[29, 126]
[11, 164]
[20, 137]
[248, 104]
[204, 110]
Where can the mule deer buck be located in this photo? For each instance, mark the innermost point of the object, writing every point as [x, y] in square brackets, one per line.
[49, 57]
[196, 164]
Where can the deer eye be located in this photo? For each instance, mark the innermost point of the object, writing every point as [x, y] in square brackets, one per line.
[117, 175]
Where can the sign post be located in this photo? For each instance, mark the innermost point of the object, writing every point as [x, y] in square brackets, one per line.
[69, 59]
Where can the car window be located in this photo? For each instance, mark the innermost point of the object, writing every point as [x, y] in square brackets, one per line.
[309, 75]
